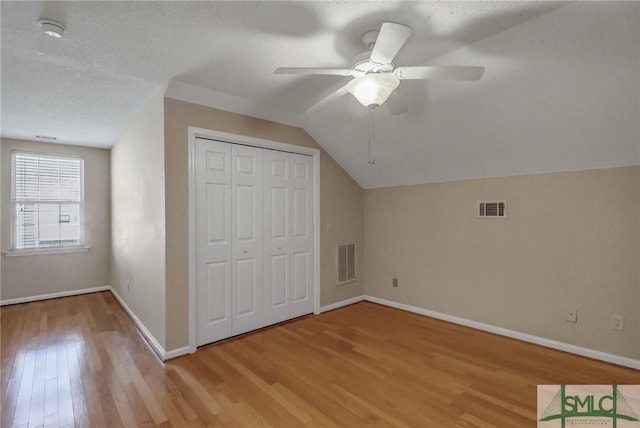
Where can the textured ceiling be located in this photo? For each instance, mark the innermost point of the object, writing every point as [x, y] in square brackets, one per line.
[560, 89]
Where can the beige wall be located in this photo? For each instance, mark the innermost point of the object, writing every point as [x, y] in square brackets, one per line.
[570, 240]
[25, 276]
[340, 199]
[138, 218]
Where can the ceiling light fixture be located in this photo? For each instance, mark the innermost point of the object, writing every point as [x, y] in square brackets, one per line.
[373, 89]
[52, 28]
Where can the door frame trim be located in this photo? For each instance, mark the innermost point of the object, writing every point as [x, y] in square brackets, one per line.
[195, 132]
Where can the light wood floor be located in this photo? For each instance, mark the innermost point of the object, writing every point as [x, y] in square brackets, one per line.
[80, 361]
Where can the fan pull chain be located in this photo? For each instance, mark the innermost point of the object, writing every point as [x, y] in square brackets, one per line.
[372, 160]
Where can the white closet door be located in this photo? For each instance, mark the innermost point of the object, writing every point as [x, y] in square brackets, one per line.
[301, 232]
[276, 236]
[247, 246]
[213, 241]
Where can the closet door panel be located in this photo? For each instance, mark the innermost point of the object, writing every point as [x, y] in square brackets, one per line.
[247, 238]
[213, 240]
[301, 229]
[246, 284]
[300, 277]
[276, 236]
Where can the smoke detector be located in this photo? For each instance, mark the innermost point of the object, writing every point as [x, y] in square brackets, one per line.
[52, 28]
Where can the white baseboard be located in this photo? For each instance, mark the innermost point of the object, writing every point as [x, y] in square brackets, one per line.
[155, 345]
[54, 295]
[342, 303]
[176, 353]
[573, 349]
[153, 342]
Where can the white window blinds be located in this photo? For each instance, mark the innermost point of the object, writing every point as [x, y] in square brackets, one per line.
[47, 201]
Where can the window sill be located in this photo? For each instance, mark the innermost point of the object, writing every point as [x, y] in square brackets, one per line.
[43, 251]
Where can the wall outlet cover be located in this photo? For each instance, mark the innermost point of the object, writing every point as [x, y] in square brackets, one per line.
[617, 322]
[571, 315]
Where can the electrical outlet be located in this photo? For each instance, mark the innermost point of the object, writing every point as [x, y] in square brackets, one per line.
[395, 282]
[617, 322]
[571, 315]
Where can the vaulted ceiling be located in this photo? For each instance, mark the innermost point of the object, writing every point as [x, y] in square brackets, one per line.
[561, 90]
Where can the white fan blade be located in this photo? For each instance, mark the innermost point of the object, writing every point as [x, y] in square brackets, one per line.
[311, 70]
[390, 39]
[439, 72]
[342, 91]
[395, 103]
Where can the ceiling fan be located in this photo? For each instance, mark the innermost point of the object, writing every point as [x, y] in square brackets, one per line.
[375, 77]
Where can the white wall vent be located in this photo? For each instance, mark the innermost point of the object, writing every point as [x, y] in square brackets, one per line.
[346, 258]
[492, 209]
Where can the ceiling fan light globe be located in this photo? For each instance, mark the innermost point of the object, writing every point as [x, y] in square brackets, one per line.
[373, 89]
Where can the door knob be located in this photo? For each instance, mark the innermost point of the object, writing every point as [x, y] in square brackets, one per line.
[246, 250]
[279, 247]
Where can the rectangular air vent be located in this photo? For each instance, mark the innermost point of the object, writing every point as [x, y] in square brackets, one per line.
[492, 209]
[346, 257]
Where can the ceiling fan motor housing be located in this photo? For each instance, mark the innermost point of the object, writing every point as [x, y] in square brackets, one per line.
[369, 38]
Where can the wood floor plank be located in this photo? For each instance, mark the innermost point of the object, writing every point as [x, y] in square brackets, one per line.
[93, 403]
[9, 346]
[10, 392]
[79, 402]
[153, 407]
[79, 361]
[266, 388]
[23, 405]
[51, 403]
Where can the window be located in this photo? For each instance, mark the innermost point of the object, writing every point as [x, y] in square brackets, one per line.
[47, 201]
